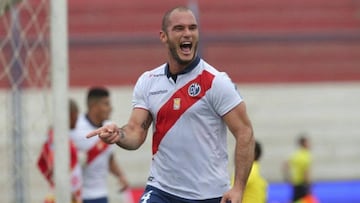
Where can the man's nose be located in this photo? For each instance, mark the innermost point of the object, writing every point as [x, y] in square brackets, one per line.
[187, 32]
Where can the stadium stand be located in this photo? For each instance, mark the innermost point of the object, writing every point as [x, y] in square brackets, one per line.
[269, 41]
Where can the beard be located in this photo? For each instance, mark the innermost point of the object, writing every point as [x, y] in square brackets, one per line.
[175, 55]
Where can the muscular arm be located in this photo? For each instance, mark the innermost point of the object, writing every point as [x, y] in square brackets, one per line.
[240, 126]
[131, 136]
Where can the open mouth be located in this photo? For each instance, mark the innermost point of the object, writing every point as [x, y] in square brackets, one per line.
[186, 47]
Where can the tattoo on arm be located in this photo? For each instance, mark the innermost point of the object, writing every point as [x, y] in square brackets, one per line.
[145, 125]
[122, 132]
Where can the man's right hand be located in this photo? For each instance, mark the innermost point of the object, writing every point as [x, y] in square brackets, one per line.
[110, 134]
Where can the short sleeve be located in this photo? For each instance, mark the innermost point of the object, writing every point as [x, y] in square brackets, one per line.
[140, 100]
[224, 95]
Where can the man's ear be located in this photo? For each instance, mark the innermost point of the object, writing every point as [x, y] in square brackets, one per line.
[163, 36]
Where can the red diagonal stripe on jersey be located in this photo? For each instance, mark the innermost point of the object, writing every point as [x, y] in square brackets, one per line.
[96, 150]
[46, 157]
[167, 115]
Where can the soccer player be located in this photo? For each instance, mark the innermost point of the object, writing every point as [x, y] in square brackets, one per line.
[297, 169]
[189, 103]
[96, 156]
[46, 160]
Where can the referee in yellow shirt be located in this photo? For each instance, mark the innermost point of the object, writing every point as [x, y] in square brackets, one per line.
[256, 186]
[297, 169]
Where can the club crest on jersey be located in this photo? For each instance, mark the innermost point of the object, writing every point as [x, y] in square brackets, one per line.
[194, 89]
[176, 104]
[100, 145]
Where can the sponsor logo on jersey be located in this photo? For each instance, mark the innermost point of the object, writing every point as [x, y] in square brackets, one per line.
[156, 75]
[194, 89]
[159, 92]
[150, 178]
[177, 103]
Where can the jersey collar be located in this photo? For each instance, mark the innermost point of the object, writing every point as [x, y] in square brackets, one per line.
[189, 68]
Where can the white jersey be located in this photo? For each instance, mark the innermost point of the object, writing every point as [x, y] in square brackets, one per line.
[96, 163]
[189, 142]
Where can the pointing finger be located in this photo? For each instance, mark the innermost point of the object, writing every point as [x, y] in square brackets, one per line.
[93, 133]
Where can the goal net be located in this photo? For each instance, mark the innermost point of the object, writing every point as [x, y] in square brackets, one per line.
[25, 100]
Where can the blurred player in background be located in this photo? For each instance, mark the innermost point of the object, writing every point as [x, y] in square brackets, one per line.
[297, 169]
[97, 157]
[256, 186]
[190, 103]
[46, 160]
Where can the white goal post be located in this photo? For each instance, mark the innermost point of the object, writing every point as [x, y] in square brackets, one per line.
[60, 82]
